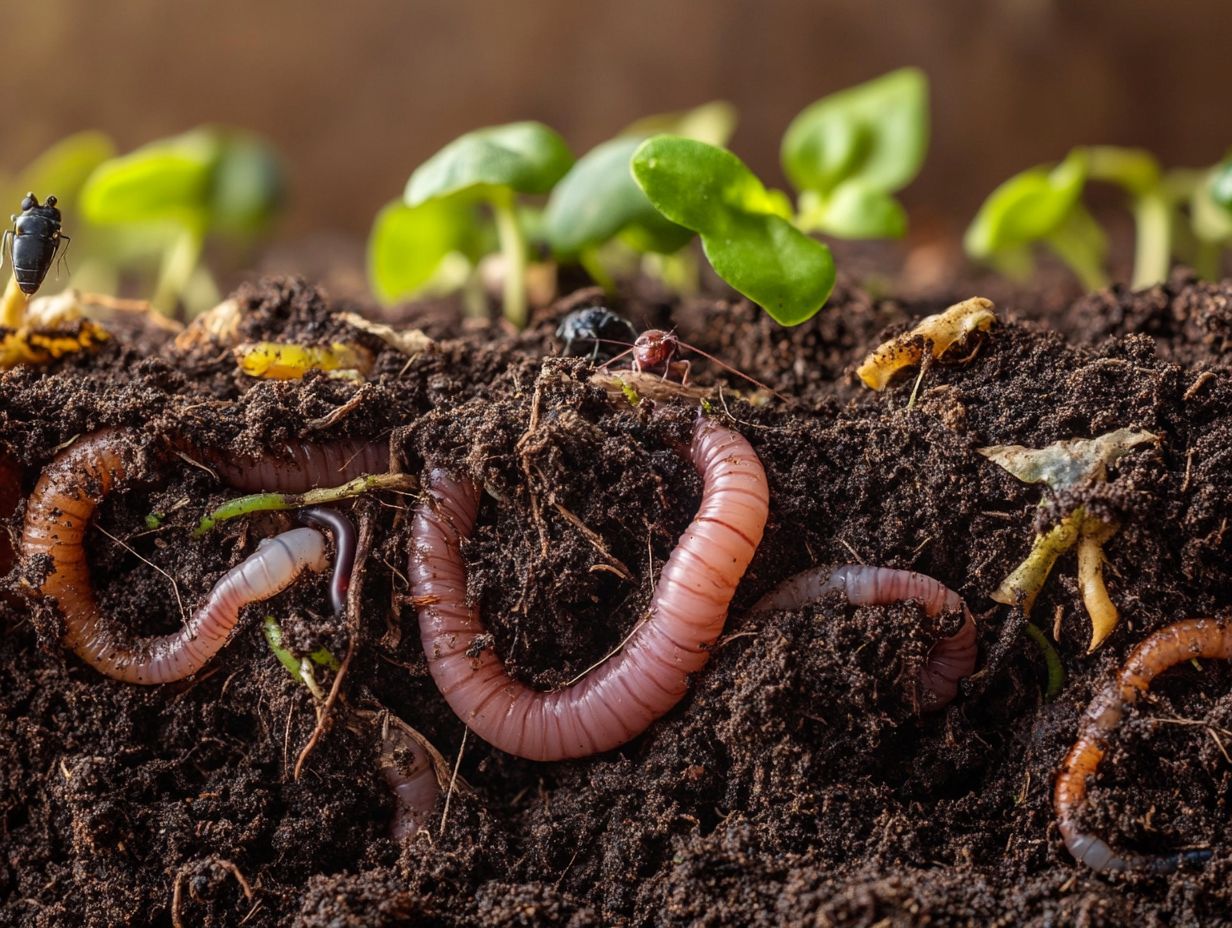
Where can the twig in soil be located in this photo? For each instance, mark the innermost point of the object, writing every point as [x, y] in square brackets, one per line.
[524, 453]
[595, 540]
[354, 602]
[174, 586]
[1213, 730]
[338, 414]
[453, 781]
[852, 551]
[1203, 379]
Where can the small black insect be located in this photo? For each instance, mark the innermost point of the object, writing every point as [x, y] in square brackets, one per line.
[33, 241]
[596, 331]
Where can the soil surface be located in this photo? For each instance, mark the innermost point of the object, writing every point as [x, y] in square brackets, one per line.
[795, 784]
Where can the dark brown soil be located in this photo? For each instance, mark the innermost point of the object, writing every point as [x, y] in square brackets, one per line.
[796, 784]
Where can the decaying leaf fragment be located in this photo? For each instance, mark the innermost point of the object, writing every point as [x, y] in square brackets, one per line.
[1060, 466]
[411, 342]
[219, 324]
[50, 328]
[936, 333]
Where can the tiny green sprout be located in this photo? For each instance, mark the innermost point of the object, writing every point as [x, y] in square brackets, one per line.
[848, 153]
[598, 201]
[175, 193]
[155, 520]
[300, 669]
[745, 229]
[1052, 660]
[494, 166]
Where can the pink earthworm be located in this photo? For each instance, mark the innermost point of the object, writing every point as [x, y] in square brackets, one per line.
[950, 660]
[1176, 644]
[59, 512]
[413, 781]
[618, 700]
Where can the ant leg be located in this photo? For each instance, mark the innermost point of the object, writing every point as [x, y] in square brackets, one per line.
[63, 259]
[5, 245]
[684, 376]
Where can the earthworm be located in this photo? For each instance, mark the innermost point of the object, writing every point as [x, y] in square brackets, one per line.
[413, 784]
[343, 531]
[1166, 648]
[299, 466]
[618, 700]
[80, 477]
[950, 660]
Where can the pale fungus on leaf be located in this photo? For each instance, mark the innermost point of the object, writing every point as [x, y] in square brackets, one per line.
[1061, 466]
[936, 334]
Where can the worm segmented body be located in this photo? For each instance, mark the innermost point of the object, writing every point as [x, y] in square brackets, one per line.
[620, 699]
[296, 467]
[1166, 648]
[413, 784]
[59, 512]
[950, 660]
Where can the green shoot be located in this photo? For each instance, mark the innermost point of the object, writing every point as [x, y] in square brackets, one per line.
[494, 166]
[281, 502]
[849, 152]
[745, 229]
[1052, 660]
[1043, 206]
[300, 669]
[599, 201]
[177, 192]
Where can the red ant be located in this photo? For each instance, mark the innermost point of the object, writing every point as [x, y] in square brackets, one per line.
[655, 350]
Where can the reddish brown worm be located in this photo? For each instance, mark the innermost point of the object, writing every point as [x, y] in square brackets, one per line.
[58, 514]
[950, 660]
[618, 700]
[299, 466]
[1176, 644]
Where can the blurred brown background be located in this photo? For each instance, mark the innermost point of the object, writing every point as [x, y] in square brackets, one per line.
[356, 93]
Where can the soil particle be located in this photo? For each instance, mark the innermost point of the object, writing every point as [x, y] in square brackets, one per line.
[796, 784]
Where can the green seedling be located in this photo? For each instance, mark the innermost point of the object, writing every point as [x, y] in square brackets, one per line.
[300, 668]
[174, 194]
[745, 229]
[491, 167]
[1061, 466]
[282, 502]
[1043, 206]
[848, 153]
[598, 202]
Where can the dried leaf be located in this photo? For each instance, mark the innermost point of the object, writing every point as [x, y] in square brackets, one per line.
[938, 333]
[1065, 464]
[411, 342]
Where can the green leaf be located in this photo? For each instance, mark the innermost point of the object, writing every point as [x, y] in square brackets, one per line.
[62, 169]
[853, 211]
[1211, 217]
[744, 235]
[408, 244]
[522, 157]
[876, 132]
[598, 199]
[168, 180]
[1027, 207]
[247, 187]
[208, 178]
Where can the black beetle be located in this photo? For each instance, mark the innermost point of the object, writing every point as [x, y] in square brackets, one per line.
[594, 330]
[33, 241]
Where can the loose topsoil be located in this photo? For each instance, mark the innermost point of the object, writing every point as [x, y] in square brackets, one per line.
[795, 784]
